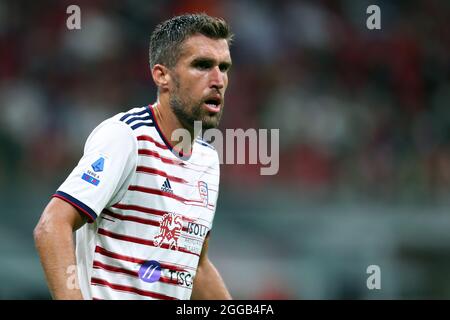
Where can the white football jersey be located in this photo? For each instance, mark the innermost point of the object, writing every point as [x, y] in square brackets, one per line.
[149, 210]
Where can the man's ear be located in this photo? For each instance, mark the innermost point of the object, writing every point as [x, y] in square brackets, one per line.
[161, 76]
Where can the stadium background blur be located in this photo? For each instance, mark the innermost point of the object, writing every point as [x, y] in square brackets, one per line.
[364, 119]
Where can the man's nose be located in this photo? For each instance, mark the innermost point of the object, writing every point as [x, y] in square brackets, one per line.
[217, 78]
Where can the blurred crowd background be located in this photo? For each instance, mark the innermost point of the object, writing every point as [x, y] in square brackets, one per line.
[364, 119]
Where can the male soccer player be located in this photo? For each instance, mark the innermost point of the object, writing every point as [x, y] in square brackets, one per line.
[149, 206]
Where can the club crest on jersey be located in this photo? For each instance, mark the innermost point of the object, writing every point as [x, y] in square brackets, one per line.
[170, 229]
[203, 190]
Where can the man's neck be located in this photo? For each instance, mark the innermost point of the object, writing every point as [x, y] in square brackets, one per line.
[168, 123]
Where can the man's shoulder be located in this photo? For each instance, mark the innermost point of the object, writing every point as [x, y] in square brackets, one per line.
[134, 118]
[207, 149]
[124, 123]
[203, 143]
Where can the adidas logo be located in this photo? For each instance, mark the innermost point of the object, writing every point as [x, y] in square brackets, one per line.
[166, 186]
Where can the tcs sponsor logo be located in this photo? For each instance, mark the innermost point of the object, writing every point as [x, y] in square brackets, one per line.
[183, 278]
[151, 271]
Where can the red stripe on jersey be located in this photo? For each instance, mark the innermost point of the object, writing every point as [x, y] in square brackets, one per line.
[113, 255]
[157, 192]
[147, 152]
[145, 210]
[150, 139]
[169, 195]
[138, 219]
[139, 208]
[107, 267]
[141, 241]
[119, 287]
[203, 171]
[143, 169]
[199, 204]
[132, 218]
[172, 267]
[99, 265]
[169, 281]
[151, 153]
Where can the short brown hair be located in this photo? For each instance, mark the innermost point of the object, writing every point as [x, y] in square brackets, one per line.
[167, 39]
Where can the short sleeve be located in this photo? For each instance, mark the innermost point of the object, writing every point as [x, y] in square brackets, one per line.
[102, 175]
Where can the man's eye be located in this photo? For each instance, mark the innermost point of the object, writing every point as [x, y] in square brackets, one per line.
[203, 65]
[224, 67]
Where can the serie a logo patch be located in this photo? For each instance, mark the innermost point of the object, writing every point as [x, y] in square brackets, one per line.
[98, 165]
[92, 176]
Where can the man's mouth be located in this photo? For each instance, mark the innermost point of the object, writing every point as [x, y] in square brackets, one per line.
[213, 104]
